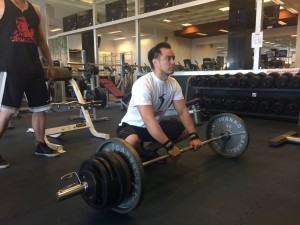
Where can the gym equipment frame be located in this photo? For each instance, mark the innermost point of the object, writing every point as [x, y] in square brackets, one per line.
[63, 74]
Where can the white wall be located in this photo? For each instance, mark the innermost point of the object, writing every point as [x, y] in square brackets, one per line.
[74, 41]
[207, 47]
[182, 47]
[205, 51]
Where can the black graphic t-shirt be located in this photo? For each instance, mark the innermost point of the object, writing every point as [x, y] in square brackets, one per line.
[19, 39]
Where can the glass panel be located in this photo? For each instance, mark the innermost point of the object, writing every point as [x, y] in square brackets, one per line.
[278, 52]
[66, 16]
[194, 38]
[109, 10]
[196, 42]
[153, 5]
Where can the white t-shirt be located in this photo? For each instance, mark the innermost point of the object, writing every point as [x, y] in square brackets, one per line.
[149, 90]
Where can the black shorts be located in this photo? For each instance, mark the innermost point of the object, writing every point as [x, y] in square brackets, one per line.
[171, 127]
[14, 85]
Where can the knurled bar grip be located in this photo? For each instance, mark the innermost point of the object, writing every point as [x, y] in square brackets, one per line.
[189, 148]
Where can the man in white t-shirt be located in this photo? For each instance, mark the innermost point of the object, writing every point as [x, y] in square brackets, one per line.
[152, 94]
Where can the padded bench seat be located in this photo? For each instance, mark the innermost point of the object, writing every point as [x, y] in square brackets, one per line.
[61, 74]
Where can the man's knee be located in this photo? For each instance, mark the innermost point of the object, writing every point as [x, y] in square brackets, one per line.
[134, 140]
[6, 115]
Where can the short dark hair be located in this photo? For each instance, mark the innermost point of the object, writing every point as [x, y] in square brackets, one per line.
[155, 51]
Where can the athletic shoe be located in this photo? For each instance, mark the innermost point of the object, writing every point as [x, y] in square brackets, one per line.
[3, 163]
[45, 150]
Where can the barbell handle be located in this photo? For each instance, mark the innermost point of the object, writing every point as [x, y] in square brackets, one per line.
[189, 148]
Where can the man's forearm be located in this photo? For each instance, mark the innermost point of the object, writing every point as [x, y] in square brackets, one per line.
[46, 53]
[187, 122]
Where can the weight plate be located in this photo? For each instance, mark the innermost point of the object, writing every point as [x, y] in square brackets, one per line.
[127, 176]
[103, 183]
[227, 123]
[90, 194]
[87, 71]
[107, 184]
[121, 174]
[100, 95]
[136, 169]
[113, 193]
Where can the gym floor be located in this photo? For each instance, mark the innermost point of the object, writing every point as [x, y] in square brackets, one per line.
[260, 187]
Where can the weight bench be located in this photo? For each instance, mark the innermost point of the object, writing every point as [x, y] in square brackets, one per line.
[112, 89]
[63, 74]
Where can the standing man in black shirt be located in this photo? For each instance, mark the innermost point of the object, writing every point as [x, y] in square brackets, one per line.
[21, 71]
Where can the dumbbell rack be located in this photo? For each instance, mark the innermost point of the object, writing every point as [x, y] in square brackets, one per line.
[251, 93]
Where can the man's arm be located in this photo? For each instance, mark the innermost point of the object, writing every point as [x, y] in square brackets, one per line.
[1, 8]
[184, 115]
[42, 43]
[187, 121]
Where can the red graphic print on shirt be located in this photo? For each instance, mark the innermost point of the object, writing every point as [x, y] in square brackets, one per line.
[23, 33]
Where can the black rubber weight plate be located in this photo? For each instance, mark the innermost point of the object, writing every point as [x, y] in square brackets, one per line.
[133, 162]
[103, 182]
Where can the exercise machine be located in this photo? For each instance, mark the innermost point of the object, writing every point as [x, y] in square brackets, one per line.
[63, 74]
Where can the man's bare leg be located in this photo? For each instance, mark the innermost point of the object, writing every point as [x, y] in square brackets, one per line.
[39, 125]
[4, 121]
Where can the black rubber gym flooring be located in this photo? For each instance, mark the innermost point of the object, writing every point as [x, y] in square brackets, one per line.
[261, 187]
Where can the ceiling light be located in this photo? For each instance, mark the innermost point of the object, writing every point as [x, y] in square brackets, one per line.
[87, 1]
[141, 35]
[294, 35]
[186, 24]
[120, 38]
[281, 7]
[281, 22]
[167, 21]
[278, 2]
[114, 32]
[225, 31]
[224, 9]
[267, 0]
[55, 30]
[292, 10]
[201, 34]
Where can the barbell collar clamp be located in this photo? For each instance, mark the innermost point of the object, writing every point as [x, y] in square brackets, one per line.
[71, 190]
